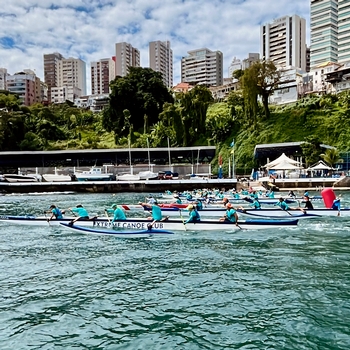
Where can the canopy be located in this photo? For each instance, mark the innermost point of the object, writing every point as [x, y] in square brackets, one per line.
[281, 159]
[320, 165]
[285, 166]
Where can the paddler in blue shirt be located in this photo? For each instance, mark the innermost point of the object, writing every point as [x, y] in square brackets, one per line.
[231, 215]
[336, 204]
[81, 212]
[118, 212]
[284, 206]
[193, 214]
[55, 213]
[256, 204]
[155, 209]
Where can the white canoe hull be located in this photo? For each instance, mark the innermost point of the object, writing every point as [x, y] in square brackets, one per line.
[142, 224]
[279, 213]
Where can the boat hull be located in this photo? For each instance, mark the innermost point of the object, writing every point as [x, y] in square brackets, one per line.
[117, 233]
[278, 213]
[142, 224]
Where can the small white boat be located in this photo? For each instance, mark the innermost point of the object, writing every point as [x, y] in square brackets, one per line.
[22, 177]
[94, 174]
[56, 177]
[146, 175]
[128, 177]
[142, 224]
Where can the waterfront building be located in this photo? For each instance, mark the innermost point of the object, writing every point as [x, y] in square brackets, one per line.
[202, 66]
[161, 60]
[284, 42]
[125, 56]
[102, 73]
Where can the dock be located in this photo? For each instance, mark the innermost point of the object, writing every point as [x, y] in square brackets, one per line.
[116, 186]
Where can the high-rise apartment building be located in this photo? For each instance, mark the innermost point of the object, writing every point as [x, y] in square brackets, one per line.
[64, 72]
[24, 84]
[324, 32]
[3, 76]
[202, 66]
[72, 73]
[125, 56]
[343, 31]
[284, 42]
[161, 60]
[102, 72]
[51, 71]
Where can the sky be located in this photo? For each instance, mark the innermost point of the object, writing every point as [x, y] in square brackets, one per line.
[89, 29]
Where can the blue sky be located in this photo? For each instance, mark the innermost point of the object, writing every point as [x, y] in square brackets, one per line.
[89, 29]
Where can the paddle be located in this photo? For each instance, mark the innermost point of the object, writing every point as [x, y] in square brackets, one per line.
[150, 226]
[183, 220]
[106, 212]
[48, 220]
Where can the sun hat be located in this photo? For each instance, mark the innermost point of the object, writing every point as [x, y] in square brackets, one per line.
[190, 207]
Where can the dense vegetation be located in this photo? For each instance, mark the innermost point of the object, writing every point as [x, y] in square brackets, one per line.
[142, 110]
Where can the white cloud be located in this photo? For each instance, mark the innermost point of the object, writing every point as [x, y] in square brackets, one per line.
[89, 29]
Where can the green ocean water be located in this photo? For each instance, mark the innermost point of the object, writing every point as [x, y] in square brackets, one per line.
[266, 289]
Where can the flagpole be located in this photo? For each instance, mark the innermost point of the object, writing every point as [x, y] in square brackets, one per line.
[233, 158]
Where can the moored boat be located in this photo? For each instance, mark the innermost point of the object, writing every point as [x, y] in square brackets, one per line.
[142, 223]
[94, 174]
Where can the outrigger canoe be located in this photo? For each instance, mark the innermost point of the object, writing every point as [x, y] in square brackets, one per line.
[117, 233]
[170, 224]
[283, 214]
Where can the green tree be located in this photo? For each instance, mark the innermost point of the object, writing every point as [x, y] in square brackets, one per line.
[311, 149]
[141, 92]
[260, 79]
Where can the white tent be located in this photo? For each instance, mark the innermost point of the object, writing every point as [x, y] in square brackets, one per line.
[285, 166]
[281, 160]
[320, 165]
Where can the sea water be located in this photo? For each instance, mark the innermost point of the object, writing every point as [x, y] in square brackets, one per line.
[267, 289]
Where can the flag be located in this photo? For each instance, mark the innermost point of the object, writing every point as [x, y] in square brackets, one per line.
[220, 160]
[232, 144]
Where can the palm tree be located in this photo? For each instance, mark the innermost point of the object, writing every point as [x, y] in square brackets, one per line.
[332, 157]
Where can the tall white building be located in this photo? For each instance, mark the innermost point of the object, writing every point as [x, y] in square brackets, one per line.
[324, 31]
[72, 73]
[3, 76]
[202, 66]
[236, 64]
[102, 72]
[161, 60]
[125, 56]
[284, 42]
